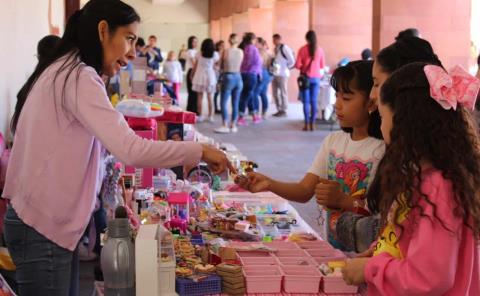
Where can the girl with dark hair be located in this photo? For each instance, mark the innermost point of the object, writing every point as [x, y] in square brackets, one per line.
[347, 160]
[204, 78]
[251, 74]
[355, 231]
[310, 62]
[191, 54]
[62, 121]
[429, 180]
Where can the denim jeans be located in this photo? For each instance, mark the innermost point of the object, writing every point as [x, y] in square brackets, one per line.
[232, 86]
[309, 99]
[262, 89]
[247, 98]
[43, 267]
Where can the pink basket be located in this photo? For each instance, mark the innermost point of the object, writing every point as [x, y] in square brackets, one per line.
[323, 256]
[245, 254]
[291, 253]
[301, 279]
[314, 245]
[296, 261]
[281, 245]
[249, 261]
[263, 279]
[333, 284]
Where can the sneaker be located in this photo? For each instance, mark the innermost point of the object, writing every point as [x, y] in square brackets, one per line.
[242, 122]
[280, 114]
[222, 130]
[256, 119]
[211, 119]
[234, 129]
[264, 116]
[200, 118]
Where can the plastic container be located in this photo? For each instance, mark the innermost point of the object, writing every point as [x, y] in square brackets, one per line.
[249, 261]
[244, 254]
[336, 285]
[314, 245]
[297, 253]
[263, 279]
[301, 279]
[322, 256]
[282, 245]
[295, 261]
[209, 286]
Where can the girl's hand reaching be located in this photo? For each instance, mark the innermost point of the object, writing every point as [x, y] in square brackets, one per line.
[254, 182]
[353, 272]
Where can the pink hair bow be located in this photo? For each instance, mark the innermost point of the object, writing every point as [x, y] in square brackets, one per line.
[451, 89]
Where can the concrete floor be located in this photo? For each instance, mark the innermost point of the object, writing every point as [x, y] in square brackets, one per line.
[277, 145]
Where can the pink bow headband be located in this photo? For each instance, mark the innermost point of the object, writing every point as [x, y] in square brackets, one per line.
[451, 89]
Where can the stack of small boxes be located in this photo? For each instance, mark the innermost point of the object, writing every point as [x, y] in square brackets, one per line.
[233, 281]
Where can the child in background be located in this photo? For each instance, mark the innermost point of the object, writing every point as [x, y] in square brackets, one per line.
[429, 180]
[347, 160]
[172, 69]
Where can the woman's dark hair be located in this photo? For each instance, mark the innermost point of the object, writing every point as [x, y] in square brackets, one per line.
[478, 60]
[247, 40]
[190, 41]
[140, 42]
[219, 44]
[366, 54]
[400, 53]
[46, 46]
[80, 44]
[404, 51]
[358, 75]
[311, 38]
[208, 48]
[261, 41]
[424, 132]
[407, 33]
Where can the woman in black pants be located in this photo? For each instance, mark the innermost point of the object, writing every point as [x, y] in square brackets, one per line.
[191, 53]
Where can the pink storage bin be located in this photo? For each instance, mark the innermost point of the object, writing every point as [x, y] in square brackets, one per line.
[324, 257]
[301, 279]
[281, 245]
[291, 253]
[295, 261]
[336, 285]
[263, 279]
[314, 245]
[249, 254]
[249, 261]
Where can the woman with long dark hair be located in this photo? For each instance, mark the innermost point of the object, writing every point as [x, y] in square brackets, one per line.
[191, 54]
[204, 78]
[310, 62]
[63, 120]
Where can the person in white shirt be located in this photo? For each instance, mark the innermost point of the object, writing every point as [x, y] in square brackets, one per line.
[284, 59]
[172, 70]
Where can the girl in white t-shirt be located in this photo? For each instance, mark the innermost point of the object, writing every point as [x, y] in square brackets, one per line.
[172, 69]
[204, 78]
[347, 160]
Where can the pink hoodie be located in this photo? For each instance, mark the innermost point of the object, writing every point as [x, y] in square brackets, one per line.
[435, 261]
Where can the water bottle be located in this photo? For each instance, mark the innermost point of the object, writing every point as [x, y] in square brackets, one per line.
[118, 260]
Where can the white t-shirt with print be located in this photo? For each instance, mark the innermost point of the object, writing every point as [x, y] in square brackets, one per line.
[351, 163]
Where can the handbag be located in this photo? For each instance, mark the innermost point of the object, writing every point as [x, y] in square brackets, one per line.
[303, 81]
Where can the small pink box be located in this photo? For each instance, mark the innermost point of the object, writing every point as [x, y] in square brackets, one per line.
[291, 253]
[323, 256]
[301, 279]
[314, 245]
[281, 245]
[336, 285]
[263, 279]
[249, 261]
[296, 261]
